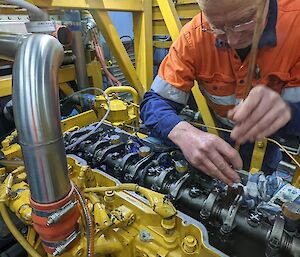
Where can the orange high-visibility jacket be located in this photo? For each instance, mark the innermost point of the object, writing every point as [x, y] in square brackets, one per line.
[220, 72]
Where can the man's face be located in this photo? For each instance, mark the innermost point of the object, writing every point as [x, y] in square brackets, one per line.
[237, 18]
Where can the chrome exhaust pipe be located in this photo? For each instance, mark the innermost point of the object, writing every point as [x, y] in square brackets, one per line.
[36, 111]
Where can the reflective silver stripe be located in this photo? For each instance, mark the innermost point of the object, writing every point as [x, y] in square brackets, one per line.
[222, 100]
[291, 94]
[225, 121]
[166, 90]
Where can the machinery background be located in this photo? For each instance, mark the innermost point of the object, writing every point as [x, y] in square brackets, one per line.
[116, 190]
[239, 223]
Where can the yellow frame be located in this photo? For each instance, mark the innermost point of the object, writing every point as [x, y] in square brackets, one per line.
[139, 77]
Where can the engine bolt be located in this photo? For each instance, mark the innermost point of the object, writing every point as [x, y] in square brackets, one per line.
[144, 151]
[115, 139]
[189, 244]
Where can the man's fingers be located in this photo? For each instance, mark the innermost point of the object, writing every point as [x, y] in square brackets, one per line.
[247, 107]
[232, 112]
[223, 166]
[271, 121]
[210, 169]
[260, 127]
[240, 130]
[231, 155]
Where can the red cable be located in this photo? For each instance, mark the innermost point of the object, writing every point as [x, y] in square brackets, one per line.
[100, 57]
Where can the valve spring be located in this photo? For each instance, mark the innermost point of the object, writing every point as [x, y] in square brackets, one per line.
[217, 211]
[286, 242]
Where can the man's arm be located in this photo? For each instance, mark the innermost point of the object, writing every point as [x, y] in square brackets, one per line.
[160, 108]
[204, 151]
[159, 114]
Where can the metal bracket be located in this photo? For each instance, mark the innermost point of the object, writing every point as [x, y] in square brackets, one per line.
[101, 155]
[275, 237]
[57, 215]
[60, 249]
[228, 224]
[176, 188]
[208, 204]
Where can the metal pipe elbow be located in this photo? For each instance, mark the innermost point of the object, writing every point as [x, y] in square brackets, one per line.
[37, 117]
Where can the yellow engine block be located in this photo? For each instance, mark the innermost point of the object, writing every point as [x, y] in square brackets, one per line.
[124, 222]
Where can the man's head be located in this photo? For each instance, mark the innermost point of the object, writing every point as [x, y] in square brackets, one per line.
[237, 18]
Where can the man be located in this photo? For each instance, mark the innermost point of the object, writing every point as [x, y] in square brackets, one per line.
[214, 50]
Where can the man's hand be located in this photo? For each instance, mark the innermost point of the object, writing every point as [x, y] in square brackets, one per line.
[260, 115]
[207, 152]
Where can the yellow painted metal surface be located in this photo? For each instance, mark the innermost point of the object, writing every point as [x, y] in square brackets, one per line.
[178, 2]
[5, 86]
[162, 44]
[117, 48]
[135, 216]
[124, 89]
[186, 10]
[118, 111]
[203, 109]
[296, 177]
[94, 71]
[132, 116]
[143, 47]
[170, 16]
[122, 114]
[110, 5]
[65, 74]
[123, 217]
[258, 154]
[9, 149]
[12, 151]
[159, 27]
[80, 120]
[66, 89]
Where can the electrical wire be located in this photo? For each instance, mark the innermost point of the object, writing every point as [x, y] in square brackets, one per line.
[100, 55]
[99, 123]
[285, 151]
[89, 222]
[269, 139]
[19, 237]
[94, 33]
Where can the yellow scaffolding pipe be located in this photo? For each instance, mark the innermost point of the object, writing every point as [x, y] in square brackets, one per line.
[65, 74]
[143, 45]
[117, 48]
[108, 5]
[170, 17]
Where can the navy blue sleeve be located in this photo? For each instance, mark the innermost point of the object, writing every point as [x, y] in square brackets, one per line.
[159, 114]
[293, 126]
